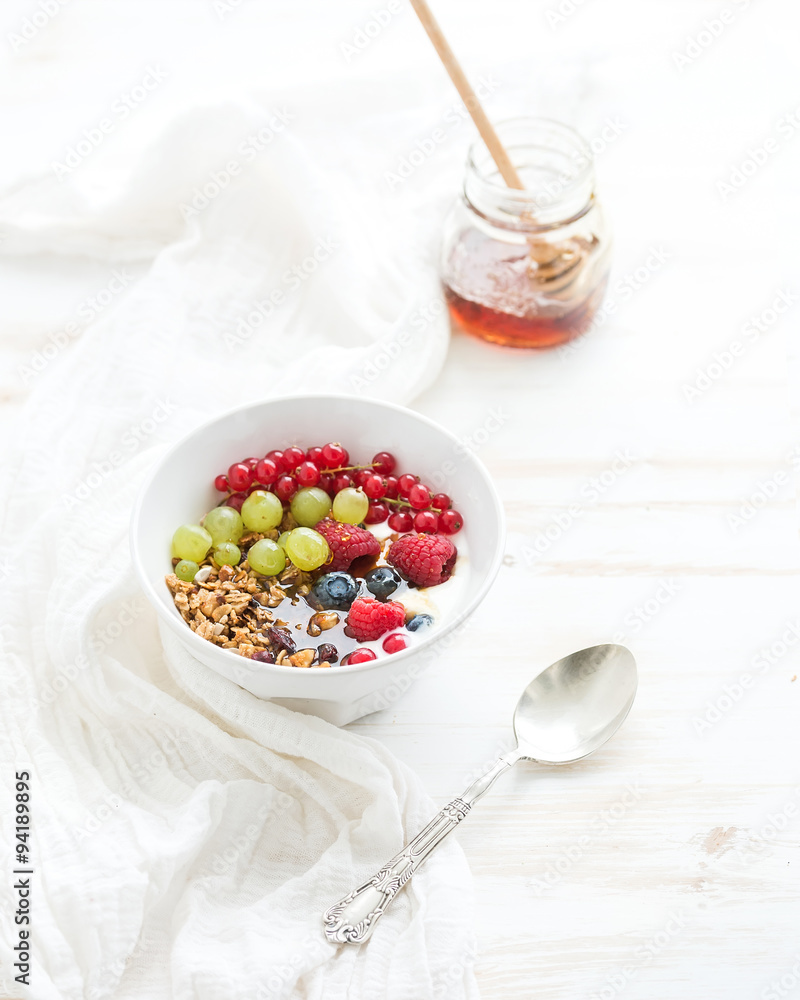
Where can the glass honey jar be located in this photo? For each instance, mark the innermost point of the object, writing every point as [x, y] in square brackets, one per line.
[527, 268]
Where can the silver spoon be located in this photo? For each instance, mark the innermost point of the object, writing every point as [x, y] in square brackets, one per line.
[570, 710]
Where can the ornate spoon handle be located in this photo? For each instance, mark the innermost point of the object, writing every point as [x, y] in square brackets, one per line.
[353, 918]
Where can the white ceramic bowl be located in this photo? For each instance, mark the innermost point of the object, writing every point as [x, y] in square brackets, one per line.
[180, 490]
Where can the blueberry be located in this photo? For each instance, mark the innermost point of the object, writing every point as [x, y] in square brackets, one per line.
[382, 582]
[333, 592]
[327, 651]
[418, 622]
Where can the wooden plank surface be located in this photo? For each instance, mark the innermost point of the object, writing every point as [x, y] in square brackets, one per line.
[656, 869]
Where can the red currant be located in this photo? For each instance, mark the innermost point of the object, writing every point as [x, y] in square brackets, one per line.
[314, 455]
[252, 462]
[240, 476]
[277, 458]
[419, 496]
[376, 513]
[285, 488]
[342, 481]
[362, 476]
[390, 487]
[373, 487]
[334, 455]
[307, 474]
[359, 656]
[426, 521]
[292, 457]
[326, 482]
[404, 484]
[441, 501]
[221, 484]
[394, 643]
[236, 500]
[267, 472]
[384, 462]
[450, 522]
[401, 521]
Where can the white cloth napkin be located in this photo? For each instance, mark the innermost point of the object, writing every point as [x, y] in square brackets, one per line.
[187, 836]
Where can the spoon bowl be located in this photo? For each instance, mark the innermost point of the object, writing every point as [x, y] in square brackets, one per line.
[570, 709]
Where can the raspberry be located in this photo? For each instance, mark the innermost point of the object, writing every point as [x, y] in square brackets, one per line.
[423, 559]
[347, 542]
[370, 619]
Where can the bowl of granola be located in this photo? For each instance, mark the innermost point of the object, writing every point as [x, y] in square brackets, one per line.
[318, 550]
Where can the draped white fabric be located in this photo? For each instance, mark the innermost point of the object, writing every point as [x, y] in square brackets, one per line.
[187, 836]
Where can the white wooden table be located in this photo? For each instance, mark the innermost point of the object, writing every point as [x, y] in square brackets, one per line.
[656, 868]
[667, 865]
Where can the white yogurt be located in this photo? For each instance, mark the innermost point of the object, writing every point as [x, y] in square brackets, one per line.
[441, 602]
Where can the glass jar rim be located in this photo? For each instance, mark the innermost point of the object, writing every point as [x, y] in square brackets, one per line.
[568, 196]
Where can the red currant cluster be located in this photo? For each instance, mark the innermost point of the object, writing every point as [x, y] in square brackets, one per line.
[405, 502]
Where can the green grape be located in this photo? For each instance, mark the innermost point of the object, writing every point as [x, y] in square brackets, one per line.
[262, 511]
[227, 554]
[186, 569]
[310, 505]
[224, 524]
[350, 505]
[267, 557]
[191, 542]
[307, 549]
[282, 539]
